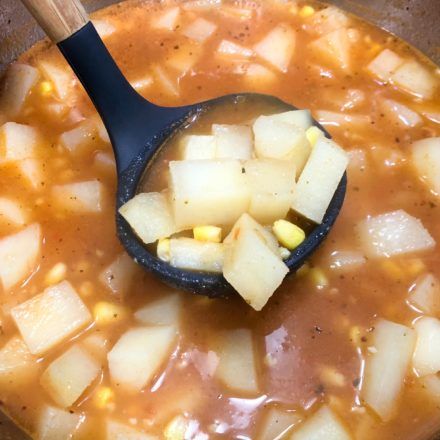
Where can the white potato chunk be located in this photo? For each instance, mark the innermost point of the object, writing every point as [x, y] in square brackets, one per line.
[97, 344]
[17, 142]
[431, 386]
[32, 173]
[387, 366]
[299, 118]
[400, 113]
[277, 139]
[149, 214]
[393, 233]
[426, 160]
[185, 57]
[80, 138]
[11, 212]
[271, 184]
[323, 424]
[256, 75]
[120, 431]
[199, 30]
[336, 119]
[104, 28]
[319, 179]
[117, 276]
[413, 78]
[187, 253]
[385, 64]
[169, 85]
[426, 359]
[62, 79]
[197, 147]
[346, 260]
[18, 255]
[277, 47]
[105, 162]
[18, 82]
[142, 83]
[237, 367]
[79, 197]
[67, 377]
[137, 356]
[56, 424]
[208, 192]
[17, 365]
[277, 423]
[334, 48]
[233, 141]
[163, 311]
[234, 50]
[252, 268]
[425, 294]
[328, 19]
[168, 20]
[50, 317]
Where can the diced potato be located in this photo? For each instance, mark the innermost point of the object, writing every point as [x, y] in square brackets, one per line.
[18, 255]
[67, 377]
[199, 30]
[168, 20]
[252, 268]
[335, 119]
[277, 423]
[334, 48]
[201, 5]
[277, 47]
[198, 147]
[346, 260]
[32, 173]
[50, 317]
[107, 313]
[17, 365]
[387, 366]
[118, 275]
[177, 428]
[425, 294]
[234, 50]
[104, 28]
[426, 359]
[319, 180]
[79, 197]
[97, 344]
[288, 234]
[237, 368]
[139, 353]
[11, 212]
[393, 233]
[413, 78]
[18, 81]
[384, 65]
[300, 118]
[79, 138]
[142, 83]
[426, 160]
[431, 385]
[257, 75]
[170, 86]
[17, 142]
[323, 424]
[185, 57]
[187, 253]
[219, 201]
[163, 311]
[271, 183]
[119, 431]
[105, 161]
[328, 19]
[402, 114]
[276, 139]
[55, 423]
[62, 78]
[233, 141]
[149, 214]
[212, 234]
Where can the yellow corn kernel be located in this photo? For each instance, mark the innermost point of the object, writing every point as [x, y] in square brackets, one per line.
[294, 9]
[208, 233]
[164, 250]
[306, 11]
[103, 397]
[332, 377]
[176, 429]
[46, 88]
[318, 278]
[313, 134]
[109, 313]
[392, 270]
[56, 274]
[288, 234]
[374, 49]
[415, 266]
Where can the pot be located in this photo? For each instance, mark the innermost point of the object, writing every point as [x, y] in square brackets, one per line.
[416, 21]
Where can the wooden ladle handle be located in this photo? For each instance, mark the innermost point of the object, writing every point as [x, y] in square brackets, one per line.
[58, 18]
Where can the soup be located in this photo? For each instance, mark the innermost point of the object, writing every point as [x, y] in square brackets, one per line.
[94, 347]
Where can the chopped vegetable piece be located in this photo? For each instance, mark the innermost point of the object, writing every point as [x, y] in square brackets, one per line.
[198, 147]
[334, 48]
[17, 142]
[68, 376]
[187, 253]
[79, 139]
[387, 366]
[167, 20]
[163, 311]
[107, 313]
[257, 75]
[306, 11]
[313, 134]
[229, 48]
[335, 119]
[199, 30]
[164, 249]
[288, 234]
[277, 423]
[167, 83]
[299, 118]
[319, 180]
[79, 197]
[103, 397]
[323, 424]
[104, 27]
[426, 160]
[63, 80]
[177, 428]
[208, 233]
[277, 47]
[237, 367]
[56, 274]
[346, 260]
[120, 431]
[327, 20]
[11, 212]
[50, 317]
[425, 294]
[149, 214]
[384, 65]
[55, 423]
[18, 255]
[139, 353]
[431, 385]
[393, 233]
[232, 141]
[401, 113]
[32, 173]
[426, 359]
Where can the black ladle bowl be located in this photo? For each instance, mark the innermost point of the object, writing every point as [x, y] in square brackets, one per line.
[138, 129]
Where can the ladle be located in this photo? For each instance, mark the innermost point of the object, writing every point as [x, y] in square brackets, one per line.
[138, 128]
